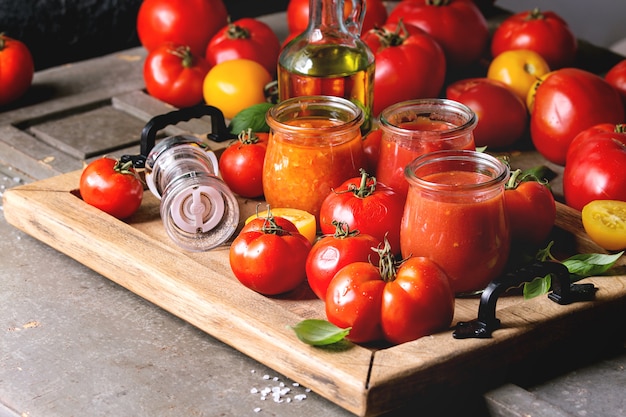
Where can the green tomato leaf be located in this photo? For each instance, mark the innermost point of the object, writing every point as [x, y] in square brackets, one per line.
[252, 117]
[588, 264]
[317, 332]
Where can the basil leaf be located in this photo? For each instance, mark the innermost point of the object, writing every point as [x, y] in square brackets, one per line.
[317, 332]
[537, 287]
[588, 264]
[252, 117]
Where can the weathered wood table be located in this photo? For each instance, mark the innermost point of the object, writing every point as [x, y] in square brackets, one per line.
[74, 342]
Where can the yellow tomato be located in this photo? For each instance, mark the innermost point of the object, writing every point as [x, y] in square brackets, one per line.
[530, 98]
[304, 221]
[234, 85]
[605, 223]
[519, 69]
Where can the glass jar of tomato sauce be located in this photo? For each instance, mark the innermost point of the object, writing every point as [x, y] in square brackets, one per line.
[314, 145]
[455, 215]
[416, 127]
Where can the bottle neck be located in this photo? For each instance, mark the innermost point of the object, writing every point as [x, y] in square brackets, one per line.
[327, 16]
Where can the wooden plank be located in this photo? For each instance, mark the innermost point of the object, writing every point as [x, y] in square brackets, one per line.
[200, 288]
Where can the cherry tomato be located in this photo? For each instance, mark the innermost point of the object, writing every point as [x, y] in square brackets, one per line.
[594, 168]
[567, 102]
[616, 76]
[371, 149]
[531, 209]
[543, 32]
[174, 75]
[457, 25]
[502, 115]
[394, 303]
[16, 69]
[269, 255]
[241, 164]
[111, 186]
[182, 22]
[365, 205]
[518, 69]
[404, 51]
[605, 223]
[234, 85]
[333, 252]
[245, 38]
[298, 15]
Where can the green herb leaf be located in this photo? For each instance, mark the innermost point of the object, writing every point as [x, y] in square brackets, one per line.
[588, 264]
[537, 287]
[319, 332]
[252, 117]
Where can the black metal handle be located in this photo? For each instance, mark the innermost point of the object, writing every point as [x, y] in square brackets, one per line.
[219, 130]
[563, 292]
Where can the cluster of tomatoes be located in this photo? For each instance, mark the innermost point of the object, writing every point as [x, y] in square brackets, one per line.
[16, 69]
[195, 54]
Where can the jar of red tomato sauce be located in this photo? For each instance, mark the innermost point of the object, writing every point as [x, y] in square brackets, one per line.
[314, 145]
[416, 127]
[454, 214]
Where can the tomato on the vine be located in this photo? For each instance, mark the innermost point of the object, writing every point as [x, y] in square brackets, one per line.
[567, 102]
[502, 115]
[235, 85]
[269, 255]
[546, 33]
[531, 208]
[246, 38]
[333, 252]
[182, 22]
[396, 301]
[112, 186]
[594, 168]
[404, 51]
[174, 75]
[16, 69]
[365, 205]
[457, 25]
[241, 164]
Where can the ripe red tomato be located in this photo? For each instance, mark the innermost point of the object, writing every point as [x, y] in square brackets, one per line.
[111, 186]
[183, 22]
[502, 115]
[404, 51]
[543, 32]
[333, 252]
[16, 69]
[246, 38]
[457, 25]
[365, 205]
[401, 305]
[298, 15]
[594, 168]
[531, 209]
[241, 164]
[567, 102]
[269, 255]
[174, 75]
[616, 76]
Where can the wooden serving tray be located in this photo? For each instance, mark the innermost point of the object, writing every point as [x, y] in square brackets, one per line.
[200, 288]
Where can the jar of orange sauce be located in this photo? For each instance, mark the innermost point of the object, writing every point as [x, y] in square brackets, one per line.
[415, 127]
[314, 145]
[455, 215]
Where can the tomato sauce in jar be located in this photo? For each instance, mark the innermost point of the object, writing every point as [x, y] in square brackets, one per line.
[315, 144]
[455, 215]
[416, 127]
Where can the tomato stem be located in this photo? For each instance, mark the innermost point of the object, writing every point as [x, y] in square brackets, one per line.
[387, 265]
[237, 32]
[535, 14]
[342, 230]
[184, 53]
[366, 187]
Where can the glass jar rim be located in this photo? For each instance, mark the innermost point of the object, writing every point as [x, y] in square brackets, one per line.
[335, 108]
[429, 107]
[497, 171]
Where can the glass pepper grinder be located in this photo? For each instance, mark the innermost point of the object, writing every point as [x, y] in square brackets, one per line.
[329, 58]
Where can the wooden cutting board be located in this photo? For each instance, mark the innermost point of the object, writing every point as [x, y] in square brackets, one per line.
[200, 288]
